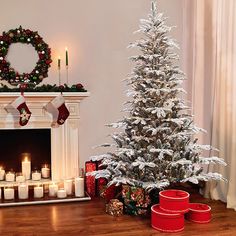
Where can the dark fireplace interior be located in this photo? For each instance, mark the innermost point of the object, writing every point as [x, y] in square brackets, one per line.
[13, 143]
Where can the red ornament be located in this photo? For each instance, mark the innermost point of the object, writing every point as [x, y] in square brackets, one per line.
[6, 38]
[166, 222]
[175, 201]
[41, 56]
[61, 87]
[199, 213]
[79, 86]
[23, 87]
[48, 62]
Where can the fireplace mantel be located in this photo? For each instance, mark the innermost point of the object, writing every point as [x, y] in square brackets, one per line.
[64, 139]
[77, 95]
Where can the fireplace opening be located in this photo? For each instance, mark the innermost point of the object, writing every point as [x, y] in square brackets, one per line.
[36, 142]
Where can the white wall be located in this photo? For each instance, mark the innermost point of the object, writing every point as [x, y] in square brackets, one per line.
[97, 34]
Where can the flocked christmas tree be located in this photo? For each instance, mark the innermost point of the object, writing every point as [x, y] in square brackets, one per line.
[156, 146]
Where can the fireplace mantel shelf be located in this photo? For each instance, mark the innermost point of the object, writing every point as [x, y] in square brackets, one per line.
[45, 94]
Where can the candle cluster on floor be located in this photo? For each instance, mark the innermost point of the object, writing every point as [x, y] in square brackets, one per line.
[37, 184]
[58, 189]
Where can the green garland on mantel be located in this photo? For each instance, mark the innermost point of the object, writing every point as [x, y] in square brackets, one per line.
[44, 88]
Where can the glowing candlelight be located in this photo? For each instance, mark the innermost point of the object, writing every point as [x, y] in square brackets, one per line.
[26, 166]
[23, 191]
[38, 191]
[2, 173]
[45, 171]
[9, 193]
[61, 193]
[36, 175]
[10, 176]
[20, 177]
[68, 186]
[53, 188]
[79, 184]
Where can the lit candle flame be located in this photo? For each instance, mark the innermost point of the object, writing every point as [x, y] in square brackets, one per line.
[26, 157]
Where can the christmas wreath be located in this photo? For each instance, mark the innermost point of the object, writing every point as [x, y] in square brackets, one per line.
[27, 36]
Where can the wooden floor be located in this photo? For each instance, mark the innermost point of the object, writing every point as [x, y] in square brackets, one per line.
[88, 218]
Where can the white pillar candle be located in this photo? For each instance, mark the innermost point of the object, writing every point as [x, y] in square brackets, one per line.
[45, 172]
[26, 167]
[20, 178]
[10, 177]
[61, 193]
[38, 192]
[36, 175]
[53, 188]
[9, 193]
[79, 187]
[68, 186]
[2, 173]
[23, 191]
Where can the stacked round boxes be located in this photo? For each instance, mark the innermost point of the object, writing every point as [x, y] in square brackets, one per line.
[168, 216]
[199, 213]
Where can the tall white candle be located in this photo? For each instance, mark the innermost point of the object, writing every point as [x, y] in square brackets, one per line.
[53, 188]
[79, 187]
[68, 186]
[61, 193]
[38, 192]
[45, 172]
[10, 177]
[36, 175]
[2, 173]
[26, 167]
[9, 193]
[23, 191]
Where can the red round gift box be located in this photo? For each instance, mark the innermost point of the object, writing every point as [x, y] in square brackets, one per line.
[176, 201]
[199, 213]
[166, 222]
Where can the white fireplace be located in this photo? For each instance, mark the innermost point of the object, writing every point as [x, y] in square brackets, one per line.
[65, 159]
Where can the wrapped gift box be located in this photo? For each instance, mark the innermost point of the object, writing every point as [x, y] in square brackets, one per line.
[199, 213]
[110, 192]
[90, 181]
[166, 222]
[136, 201]
[175, 201]
[94, 187]
[114, 207]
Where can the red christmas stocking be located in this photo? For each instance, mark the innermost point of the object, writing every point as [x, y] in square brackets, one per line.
[24, 111]
[58, 103]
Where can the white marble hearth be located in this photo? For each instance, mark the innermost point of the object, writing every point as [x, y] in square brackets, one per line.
[64, 139]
